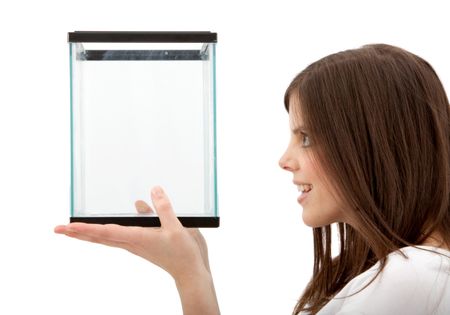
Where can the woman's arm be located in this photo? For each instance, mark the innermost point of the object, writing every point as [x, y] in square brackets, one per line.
[180, 251]
[197, 294]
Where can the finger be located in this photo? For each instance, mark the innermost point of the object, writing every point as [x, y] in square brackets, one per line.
[195, 233]
[97, 240]
[143, 207]
[60, 229]
[63, 229]
[102, 232]
[164, 208]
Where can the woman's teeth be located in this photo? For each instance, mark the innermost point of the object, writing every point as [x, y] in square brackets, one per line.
[304, 187]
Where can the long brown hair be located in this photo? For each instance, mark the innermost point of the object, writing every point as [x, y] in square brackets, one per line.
[379, 117]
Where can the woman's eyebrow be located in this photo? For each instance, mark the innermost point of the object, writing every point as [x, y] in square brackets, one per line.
[298, 130]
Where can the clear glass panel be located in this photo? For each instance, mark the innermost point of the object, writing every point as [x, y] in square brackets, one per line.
[142, 115]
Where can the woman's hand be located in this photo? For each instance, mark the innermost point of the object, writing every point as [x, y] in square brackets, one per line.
[181, 252]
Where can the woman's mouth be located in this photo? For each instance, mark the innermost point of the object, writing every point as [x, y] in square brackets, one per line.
[305, 190]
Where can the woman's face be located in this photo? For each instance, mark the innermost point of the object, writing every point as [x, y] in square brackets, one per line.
[320, 207]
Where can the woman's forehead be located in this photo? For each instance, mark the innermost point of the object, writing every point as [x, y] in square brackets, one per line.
[295, 115]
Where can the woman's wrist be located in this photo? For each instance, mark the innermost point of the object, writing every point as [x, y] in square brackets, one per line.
[197, 293]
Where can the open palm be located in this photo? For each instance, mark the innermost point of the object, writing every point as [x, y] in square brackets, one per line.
[182, 252]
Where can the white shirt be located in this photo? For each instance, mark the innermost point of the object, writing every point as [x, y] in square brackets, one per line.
[418, 285]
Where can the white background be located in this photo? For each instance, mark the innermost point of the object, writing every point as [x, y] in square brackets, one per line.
[261, 255]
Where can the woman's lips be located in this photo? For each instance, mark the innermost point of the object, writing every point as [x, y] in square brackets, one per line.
[302, 197]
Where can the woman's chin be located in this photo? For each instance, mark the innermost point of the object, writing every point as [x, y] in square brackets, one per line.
[308, 219]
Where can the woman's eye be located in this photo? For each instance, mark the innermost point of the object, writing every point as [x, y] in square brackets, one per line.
[306, 142]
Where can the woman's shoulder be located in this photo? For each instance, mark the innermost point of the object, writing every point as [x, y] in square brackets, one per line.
[415, 263]
[409, 265]
[415, 280]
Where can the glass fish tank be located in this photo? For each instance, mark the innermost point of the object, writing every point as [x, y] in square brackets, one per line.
[143, 113]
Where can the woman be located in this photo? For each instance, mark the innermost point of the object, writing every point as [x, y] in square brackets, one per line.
[369, 150]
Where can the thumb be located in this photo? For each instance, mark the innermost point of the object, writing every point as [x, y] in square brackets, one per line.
[164, 209]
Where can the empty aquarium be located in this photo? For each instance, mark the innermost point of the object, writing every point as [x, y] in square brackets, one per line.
[143, 113]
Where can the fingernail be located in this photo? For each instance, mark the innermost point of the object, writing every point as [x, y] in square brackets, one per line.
[157, 192]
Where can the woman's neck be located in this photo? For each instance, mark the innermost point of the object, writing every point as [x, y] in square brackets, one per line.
[435, 240]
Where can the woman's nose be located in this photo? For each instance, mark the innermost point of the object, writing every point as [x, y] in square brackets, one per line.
[286, 163]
